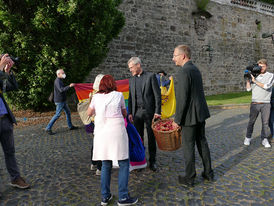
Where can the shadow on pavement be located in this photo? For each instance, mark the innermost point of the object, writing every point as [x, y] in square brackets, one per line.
[236, 157]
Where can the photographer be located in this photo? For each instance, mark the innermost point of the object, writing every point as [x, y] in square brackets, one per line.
[261, 88]
[8, 83]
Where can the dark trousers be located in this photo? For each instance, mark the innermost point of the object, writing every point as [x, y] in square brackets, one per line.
[190, 136]
[271, 120]
[255, 109]
[7, 142]
[141, 117]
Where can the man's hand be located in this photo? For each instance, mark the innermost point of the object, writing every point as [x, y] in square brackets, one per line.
[130, 118]
[72, 85]
[256, 82]
[6, 60]
[157, 116]
[8, 66]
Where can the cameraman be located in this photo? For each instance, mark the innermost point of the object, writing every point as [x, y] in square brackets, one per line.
[261, 88]
[8, 83]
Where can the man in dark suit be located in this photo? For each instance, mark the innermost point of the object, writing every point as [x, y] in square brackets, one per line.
[191, 113]
[8, 83]
[144, 103]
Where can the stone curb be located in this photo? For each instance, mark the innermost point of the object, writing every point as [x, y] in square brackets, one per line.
[230, 106]
[225, 106]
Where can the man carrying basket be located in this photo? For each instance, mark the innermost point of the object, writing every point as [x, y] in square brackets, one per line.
[191, 113]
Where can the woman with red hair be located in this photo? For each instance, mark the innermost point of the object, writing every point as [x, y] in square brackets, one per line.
[111, 139]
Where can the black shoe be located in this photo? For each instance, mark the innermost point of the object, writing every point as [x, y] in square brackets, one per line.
[73, 128]
[105, 201]
[128, 201]
[185, 181]
[208, 177]
[153, 167]
[50, 132]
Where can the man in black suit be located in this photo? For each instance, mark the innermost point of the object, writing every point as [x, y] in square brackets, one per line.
[144, 103]
[191, 113]
[8, 83]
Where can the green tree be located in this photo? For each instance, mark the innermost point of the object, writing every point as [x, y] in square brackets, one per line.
[51, 34]
[268, 1]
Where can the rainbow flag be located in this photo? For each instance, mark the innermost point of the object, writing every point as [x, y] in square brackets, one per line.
[83, 90]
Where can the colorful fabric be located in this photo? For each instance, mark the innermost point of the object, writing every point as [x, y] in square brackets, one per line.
[137, 165]
[83, 89]
[168, 100]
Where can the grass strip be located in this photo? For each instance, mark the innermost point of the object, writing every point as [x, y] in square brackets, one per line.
[229, 98]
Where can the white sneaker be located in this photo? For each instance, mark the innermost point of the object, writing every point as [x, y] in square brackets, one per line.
[98, 172]
[93, 167]
[265, 143]
[247, 141]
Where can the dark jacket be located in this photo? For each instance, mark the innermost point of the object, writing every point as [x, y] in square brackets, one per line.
[60, 91]
[8, 83]
[151, 94]
[272, 99]
[191, 106]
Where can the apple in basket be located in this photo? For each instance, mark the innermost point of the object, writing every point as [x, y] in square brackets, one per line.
[164, 125]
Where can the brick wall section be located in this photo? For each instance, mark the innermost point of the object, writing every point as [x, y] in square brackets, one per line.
[222, 46]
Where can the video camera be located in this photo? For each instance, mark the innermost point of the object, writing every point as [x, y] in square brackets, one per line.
[253, 69]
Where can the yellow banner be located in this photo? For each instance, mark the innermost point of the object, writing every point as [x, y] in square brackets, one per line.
[168, 100]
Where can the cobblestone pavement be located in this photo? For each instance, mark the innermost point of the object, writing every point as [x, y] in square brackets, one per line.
[58, 169]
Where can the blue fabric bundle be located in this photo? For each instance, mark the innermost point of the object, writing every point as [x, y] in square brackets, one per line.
[136, 147]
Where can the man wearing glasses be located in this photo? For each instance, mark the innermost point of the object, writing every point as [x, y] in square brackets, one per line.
[191, 113]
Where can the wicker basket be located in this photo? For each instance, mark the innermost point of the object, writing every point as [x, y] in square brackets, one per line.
[167, 140]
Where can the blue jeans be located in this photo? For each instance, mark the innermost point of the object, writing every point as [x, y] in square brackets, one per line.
[122, 179]
[59, 107]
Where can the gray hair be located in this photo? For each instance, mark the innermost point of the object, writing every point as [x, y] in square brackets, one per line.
[134, 60]
[184, 49]
[58, 71]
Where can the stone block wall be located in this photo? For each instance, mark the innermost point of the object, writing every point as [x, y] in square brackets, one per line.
[222, 46]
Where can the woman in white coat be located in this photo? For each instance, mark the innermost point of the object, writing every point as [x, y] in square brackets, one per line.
[111, 139]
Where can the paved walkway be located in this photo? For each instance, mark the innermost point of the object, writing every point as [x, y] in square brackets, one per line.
[58, 169]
